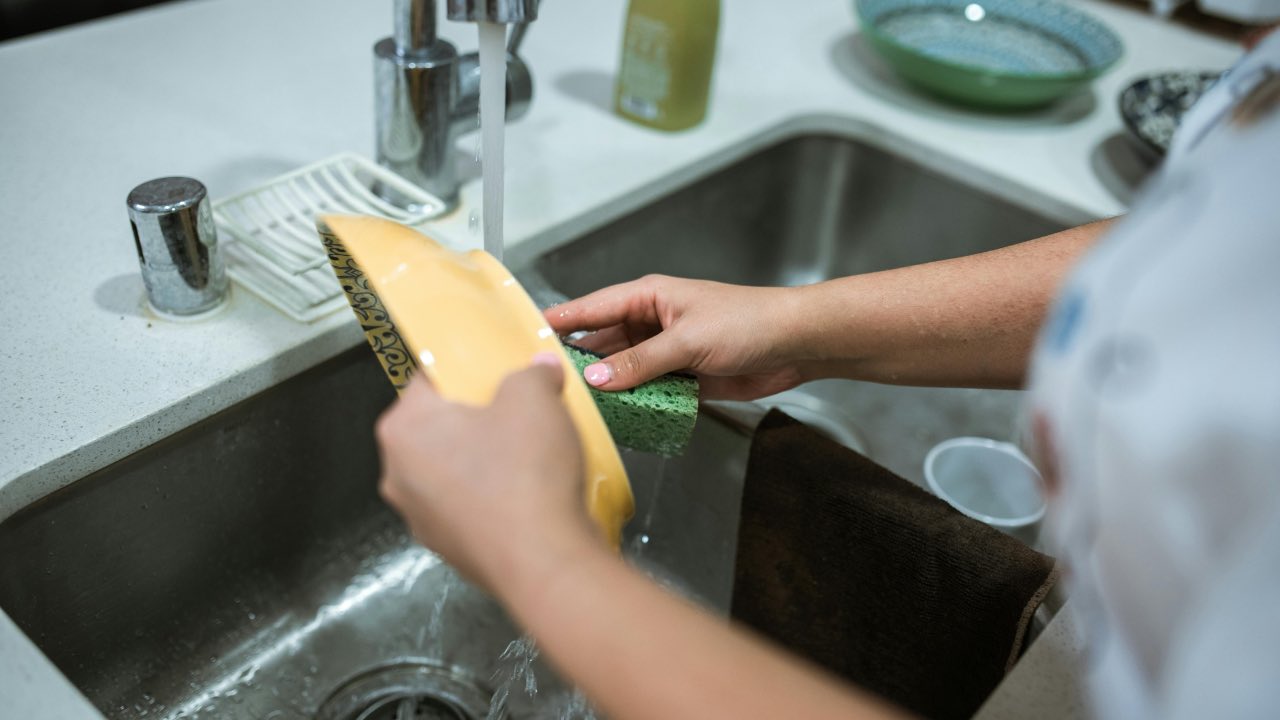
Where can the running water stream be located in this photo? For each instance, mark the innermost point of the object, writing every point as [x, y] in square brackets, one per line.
[516, 662]
[493, 118]
[515, 669]
[641, 539]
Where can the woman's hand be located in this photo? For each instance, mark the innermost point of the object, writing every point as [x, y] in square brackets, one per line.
[497, 490]
[740, 341]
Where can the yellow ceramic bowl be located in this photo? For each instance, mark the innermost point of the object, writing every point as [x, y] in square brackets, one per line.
[463, 320]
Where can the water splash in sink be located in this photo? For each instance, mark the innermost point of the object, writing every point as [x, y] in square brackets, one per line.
[435, 626]
[517, 661]
[577, 708]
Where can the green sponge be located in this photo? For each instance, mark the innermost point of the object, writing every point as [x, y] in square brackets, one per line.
[656, 417]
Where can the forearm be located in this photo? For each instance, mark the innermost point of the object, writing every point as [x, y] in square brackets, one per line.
[640, 652]
[968, 321]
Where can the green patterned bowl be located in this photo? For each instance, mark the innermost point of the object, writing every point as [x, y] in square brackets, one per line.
[992, 53]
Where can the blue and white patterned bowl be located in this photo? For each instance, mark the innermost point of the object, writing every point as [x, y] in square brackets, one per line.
[1000, 53]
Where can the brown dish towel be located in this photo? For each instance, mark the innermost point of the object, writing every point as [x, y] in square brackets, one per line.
[859, 570]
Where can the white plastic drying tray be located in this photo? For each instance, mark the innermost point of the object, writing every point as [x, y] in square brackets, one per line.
[270, 237]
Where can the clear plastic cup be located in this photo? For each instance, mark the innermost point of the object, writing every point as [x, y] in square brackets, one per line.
[990, 481]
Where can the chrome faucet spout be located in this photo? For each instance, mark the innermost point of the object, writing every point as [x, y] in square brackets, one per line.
[427, 95]
[507, 12]
[415, 25]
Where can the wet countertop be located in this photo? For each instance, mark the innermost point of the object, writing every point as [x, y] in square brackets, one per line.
[235, 92]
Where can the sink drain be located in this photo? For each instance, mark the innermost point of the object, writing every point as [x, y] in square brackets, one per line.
[407, 691]
[413, 708]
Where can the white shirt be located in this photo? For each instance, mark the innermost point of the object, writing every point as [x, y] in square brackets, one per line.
[1156, 385]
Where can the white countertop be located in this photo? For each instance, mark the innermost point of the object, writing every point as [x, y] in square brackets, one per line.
[234, 92]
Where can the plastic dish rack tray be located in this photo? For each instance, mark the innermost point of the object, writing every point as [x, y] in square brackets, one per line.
[270, 237]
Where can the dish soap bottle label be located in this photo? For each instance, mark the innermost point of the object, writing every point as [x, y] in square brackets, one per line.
[667, 54]
[645, 78]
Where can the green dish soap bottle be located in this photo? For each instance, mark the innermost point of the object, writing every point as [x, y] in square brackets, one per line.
[668, 50]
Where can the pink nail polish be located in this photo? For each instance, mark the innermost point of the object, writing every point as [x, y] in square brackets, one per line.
[596, 374]
[546, 358]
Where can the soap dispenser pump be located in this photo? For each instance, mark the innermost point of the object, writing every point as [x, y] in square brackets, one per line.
[668, 51]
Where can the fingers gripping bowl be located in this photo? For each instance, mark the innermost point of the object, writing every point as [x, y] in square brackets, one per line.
[464, 321]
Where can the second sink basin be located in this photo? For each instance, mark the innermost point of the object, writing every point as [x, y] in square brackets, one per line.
[810, 208]
[807, 209]
[246, 567]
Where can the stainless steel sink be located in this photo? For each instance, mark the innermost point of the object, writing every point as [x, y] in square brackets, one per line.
[246, 567]
[808, 209]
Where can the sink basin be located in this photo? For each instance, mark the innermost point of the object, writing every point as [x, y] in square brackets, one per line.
[246, 567]
[807, 209]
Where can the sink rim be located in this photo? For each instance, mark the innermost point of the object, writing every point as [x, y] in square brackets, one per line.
[836, 125]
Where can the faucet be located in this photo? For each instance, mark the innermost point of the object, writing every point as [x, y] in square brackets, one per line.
[427, 95]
